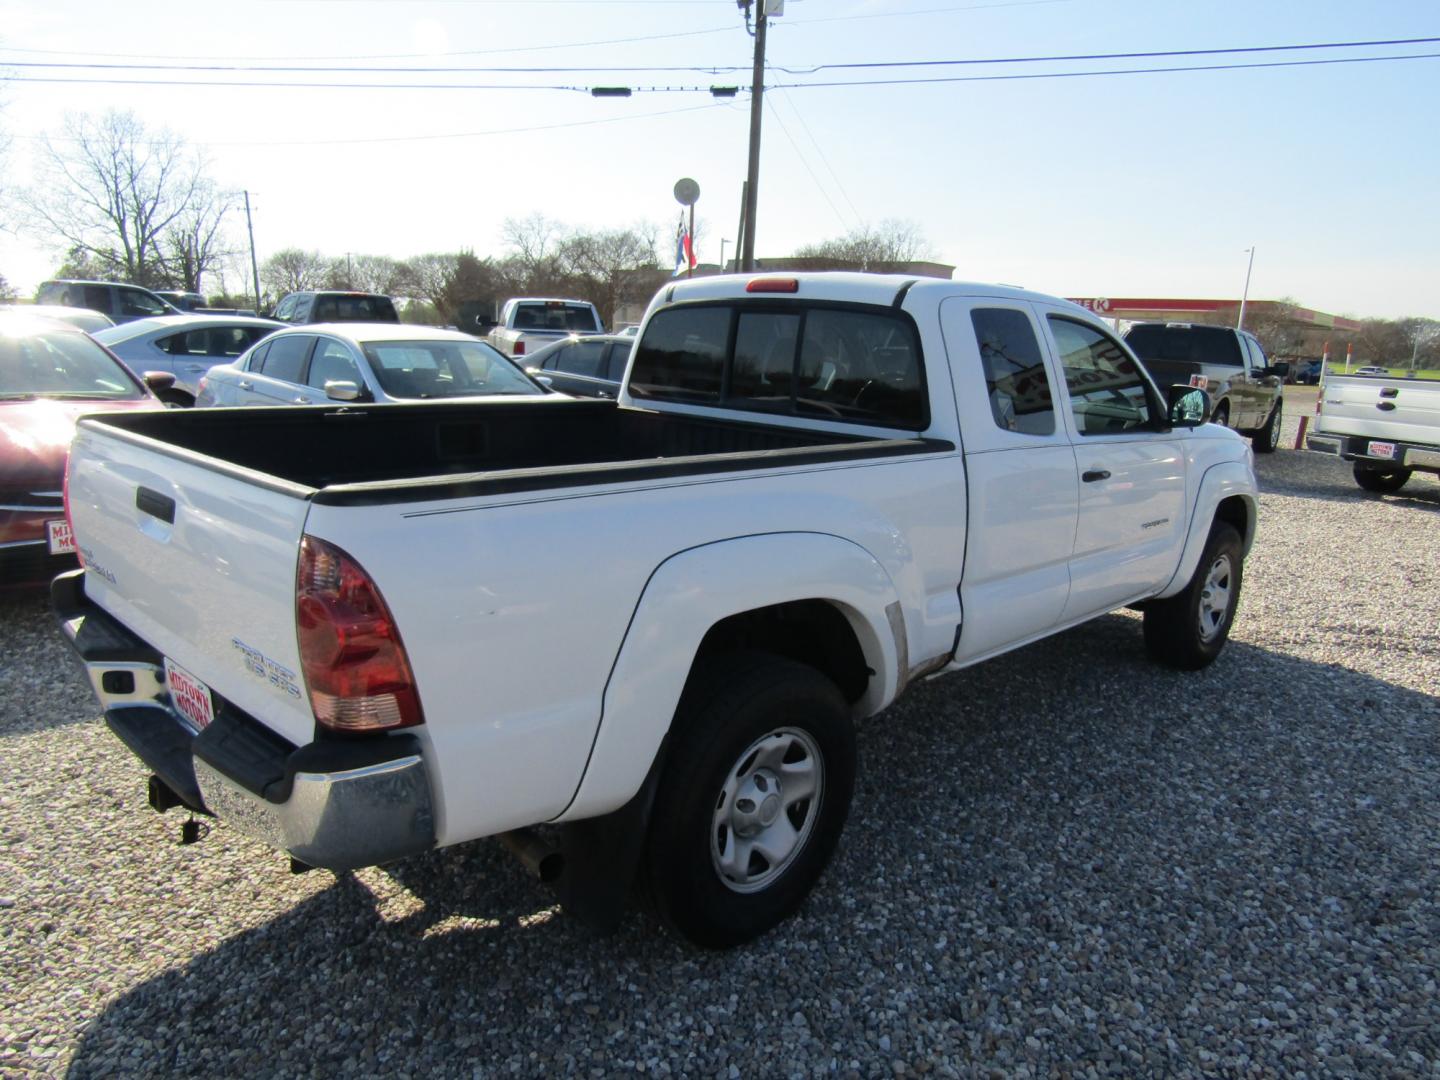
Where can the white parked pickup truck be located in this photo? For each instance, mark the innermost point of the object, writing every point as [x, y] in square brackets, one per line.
[530, 323]
[327, 627]
[1390, 428]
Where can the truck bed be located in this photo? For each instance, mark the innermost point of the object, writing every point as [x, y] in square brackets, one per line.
[385, 453]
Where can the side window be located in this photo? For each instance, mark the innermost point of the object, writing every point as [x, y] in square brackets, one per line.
[619, 357]
[332, 362]
[1107, 392]
[231, 340]
[286, 358]
[1015, 378]
[135, 302]
[582, 358]
[96, 297]
[191, 344]
[1257, 355]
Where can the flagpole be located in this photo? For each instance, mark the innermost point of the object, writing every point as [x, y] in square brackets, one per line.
[690, 236]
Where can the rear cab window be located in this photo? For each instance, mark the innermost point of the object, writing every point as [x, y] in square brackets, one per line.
[1186, 343]
[852, 363]
[556, 315]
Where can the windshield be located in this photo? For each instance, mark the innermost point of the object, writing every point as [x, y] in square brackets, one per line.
[60, 364]
[556, 315]
[444, 369]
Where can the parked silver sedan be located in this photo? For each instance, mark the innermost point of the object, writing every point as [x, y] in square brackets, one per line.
[186, 345]
[373, 362]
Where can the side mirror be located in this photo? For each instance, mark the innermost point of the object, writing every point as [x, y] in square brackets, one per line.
[1189, 406]
[158, 381]
[342, 390]
[1281, 369]
[543, 380]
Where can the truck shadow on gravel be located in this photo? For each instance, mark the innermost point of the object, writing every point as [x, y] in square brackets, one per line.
[1060, 858]
[1319, 476]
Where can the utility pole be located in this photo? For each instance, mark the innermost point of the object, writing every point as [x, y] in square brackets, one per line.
[254, 267]
[752, 176]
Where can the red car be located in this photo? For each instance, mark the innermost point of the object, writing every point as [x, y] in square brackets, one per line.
[50, 374]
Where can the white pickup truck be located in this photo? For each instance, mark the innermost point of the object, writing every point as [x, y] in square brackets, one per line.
[1389, 427]
[329, 627]
[528, 323]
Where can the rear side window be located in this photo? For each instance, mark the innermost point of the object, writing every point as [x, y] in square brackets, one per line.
[582, 358]
[1189, 344]
[861, 365]
[619, 357]
[97, 297]
[1015, 378]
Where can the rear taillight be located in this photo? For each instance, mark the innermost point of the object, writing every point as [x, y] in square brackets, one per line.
[355, 665]
[519, 348]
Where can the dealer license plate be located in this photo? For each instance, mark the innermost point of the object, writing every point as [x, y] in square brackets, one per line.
[189, 695]
[59, 536]
[1384, 450]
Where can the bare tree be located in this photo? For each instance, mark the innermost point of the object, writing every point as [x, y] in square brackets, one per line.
[294, 270]
[113, 190]
[880, 248]
[367, 273]
[196, 244]
[603, 267]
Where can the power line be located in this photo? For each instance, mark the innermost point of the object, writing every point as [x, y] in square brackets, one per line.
[314, 85]
[835, 176]
[721, 68]
[795, 146]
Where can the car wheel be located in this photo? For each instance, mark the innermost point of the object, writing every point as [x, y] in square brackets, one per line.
[1267, 438]
[756, 790]
[1379, 478]
[1221, 415]
[1188, 630]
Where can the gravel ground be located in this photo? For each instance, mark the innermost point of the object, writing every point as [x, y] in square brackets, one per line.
[1063, 862]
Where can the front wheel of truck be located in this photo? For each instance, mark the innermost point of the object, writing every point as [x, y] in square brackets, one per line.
[1188, 630]
[755, 794]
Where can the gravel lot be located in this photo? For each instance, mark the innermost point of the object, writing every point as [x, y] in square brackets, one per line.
[1064, 862]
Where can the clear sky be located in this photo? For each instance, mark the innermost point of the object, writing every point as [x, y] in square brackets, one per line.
[1150, 184]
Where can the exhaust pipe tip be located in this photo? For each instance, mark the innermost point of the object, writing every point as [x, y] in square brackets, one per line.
[544, 862]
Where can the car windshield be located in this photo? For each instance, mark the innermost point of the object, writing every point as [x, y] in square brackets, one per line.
[59, 364]
[444, 369]
[556, 315]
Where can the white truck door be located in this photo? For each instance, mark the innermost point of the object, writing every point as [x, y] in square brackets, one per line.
[1132, 476]
[1020, 471]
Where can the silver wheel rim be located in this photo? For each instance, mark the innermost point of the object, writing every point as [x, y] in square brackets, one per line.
[766, 809]
[1215, 599]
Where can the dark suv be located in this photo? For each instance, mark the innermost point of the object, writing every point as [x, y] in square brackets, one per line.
[122, 303]
[338, 306]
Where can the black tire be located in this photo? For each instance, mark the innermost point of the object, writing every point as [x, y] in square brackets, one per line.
[1266, 439]
[734, 713]
[1184, 631]
[1221, 415]
[1379, 478]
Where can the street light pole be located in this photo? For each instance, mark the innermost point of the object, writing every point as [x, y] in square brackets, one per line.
[1240, 322]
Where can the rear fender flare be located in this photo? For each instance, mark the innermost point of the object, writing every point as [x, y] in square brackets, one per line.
[1223, 481]
[688, 594]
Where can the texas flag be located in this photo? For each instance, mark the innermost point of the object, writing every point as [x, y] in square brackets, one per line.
[684, 249]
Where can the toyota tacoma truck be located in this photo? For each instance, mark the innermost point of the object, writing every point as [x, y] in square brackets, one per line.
[329, 628]
[1246, 391]
[529, 323]
[1389, 428]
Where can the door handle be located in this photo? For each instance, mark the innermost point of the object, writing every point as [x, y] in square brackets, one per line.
[302, 401]
[1091, 475]
[156, 505]
[245, 385]
[1386, 406]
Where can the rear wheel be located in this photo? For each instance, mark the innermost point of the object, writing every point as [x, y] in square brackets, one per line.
[1267, 438]
[1188, 630]
[756, 790]
[1379, 478]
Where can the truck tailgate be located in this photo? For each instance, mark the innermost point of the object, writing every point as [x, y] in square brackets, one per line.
[1400, 410]
[200, 563]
